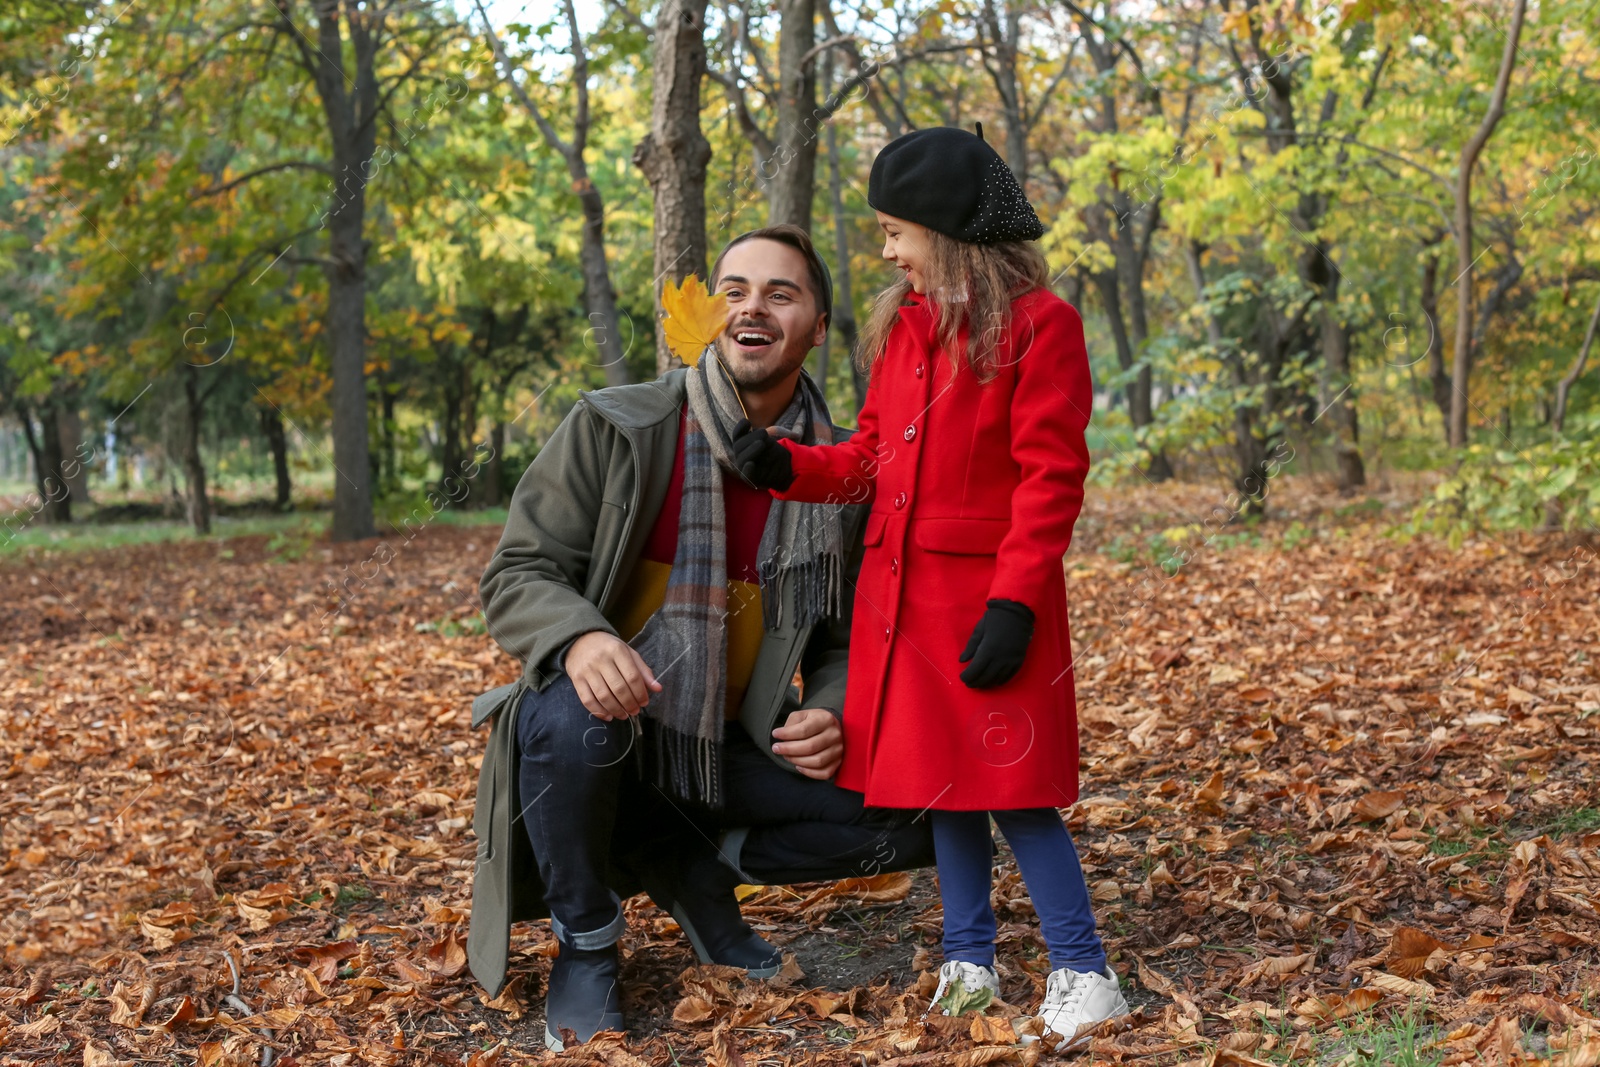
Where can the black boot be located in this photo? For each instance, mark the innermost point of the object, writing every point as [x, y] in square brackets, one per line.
[584, 996]
[698, 893]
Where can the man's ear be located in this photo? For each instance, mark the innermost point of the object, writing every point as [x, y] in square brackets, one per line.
[820, 334]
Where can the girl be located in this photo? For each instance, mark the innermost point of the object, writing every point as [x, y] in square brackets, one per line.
[971, 446]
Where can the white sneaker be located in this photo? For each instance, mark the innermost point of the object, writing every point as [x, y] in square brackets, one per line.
[970, 977]
[1075, 1000]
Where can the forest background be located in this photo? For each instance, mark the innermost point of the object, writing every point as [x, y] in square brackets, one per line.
[357, 260]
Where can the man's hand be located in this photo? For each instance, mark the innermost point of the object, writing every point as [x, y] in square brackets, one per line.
[612, 680]
[811, 740]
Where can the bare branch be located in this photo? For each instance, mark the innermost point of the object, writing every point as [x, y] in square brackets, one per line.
[528, 104]
[291, 164]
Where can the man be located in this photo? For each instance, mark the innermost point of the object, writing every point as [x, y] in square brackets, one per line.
[661, 607]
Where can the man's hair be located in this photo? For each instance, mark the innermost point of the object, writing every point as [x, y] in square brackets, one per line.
[796, 238]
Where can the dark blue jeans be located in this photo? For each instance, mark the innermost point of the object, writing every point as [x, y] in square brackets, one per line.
[588, 812]
[1050, 869]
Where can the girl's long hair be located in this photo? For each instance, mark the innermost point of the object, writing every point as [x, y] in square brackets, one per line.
[969, 285]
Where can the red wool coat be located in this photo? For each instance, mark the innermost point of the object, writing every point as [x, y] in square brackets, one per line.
[974, 488]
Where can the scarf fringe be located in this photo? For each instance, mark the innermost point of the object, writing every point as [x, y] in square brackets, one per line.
[818, 595]
[690, 767]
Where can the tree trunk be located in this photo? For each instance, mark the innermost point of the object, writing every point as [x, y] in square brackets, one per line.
[793, 165]
[58, 509]
[470, 389]
[1249, 450]
[194, 468]
[844, 303]
[675, 153]
[1558, 415]
[494, 471]
[352, 125]
[272, 429]
[1558, 412]
[1002, 25]
[1137, 392]
[450, 421]
[1438, 376]
[347, 291]
[1113, 220]
[55, 500]
[598, 295]
[1336, 388]
[1461, 366]
[75, 474]
[1105, 281]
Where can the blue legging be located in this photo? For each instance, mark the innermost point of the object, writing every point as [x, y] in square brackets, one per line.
[1050, 870]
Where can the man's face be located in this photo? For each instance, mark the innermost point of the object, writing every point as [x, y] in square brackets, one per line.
[774, 318]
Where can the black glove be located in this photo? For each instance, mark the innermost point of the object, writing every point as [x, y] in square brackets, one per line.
[999, 644]
[764, 463]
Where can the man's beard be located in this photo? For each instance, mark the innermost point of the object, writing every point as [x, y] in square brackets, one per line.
[758, 379]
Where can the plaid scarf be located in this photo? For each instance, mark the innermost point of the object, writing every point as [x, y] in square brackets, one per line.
[686, 640]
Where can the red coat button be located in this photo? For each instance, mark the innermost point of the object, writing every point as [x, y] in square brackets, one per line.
[899, 500]
[894, 566]
[886, 632]
[911, 432]
[918, 371]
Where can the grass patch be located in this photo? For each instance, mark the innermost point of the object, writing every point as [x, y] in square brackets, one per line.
[291, 536]
[1579, 821]
[1396, 1041]
[1487, 840]
[90, 536]
[1359, 509]
[469, 626]
[350, 895]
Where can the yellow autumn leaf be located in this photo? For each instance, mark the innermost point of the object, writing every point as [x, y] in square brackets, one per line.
[695, 317]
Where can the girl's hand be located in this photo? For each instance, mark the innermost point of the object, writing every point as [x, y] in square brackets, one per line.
[998, 645]
[764, 463]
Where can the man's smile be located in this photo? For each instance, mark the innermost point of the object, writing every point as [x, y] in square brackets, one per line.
[751, 338]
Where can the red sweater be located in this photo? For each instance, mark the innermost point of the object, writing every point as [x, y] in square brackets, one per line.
[745, 519]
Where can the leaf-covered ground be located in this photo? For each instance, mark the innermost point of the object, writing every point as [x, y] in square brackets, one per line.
[1340, 805]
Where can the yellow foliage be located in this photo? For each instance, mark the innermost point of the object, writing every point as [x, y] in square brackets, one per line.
[695, 316]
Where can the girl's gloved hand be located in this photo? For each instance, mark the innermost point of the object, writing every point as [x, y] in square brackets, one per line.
[764, 463]
[999, 644]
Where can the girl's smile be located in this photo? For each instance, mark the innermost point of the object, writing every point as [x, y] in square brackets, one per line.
[905, 244]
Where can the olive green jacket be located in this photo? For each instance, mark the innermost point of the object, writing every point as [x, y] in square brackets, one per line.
[577, 525]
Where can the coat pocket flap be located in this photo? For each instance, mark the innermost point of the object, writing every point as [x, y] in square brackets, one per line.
[486, 704]
[971, 537]
[874, 534]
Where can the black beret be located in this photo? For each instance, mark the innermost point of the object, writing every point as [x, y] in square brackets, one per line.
[952, 182]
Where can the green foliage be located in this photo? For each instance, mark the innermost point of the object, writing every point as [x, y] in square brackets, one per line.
[167, 186]
[293, 542]
[468, 626]
[1497, 489]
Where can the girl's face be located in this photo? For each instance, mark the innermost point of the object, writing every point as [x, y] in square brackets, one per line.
[905, 244]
